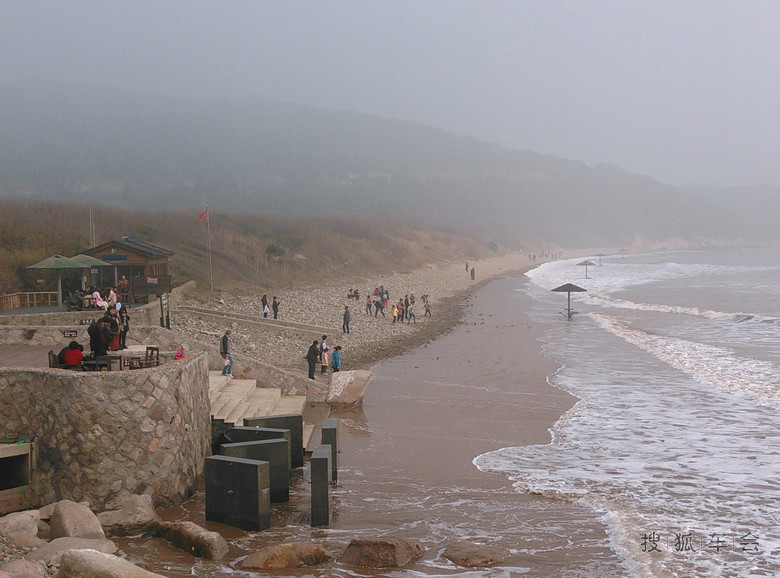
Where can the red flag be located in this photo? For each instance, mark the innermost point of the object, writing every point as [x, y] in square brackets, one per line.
[204, 216]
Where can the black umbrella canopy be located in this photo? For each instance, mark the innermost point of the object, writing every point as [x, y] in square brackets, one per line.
[569, 288]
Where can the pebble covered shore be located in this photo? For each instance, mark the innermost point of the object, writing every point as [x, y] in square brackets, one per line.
[371, 338]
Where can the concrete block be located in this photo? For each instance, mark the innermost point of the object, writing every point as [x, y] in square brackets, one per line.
[320, 482]
[238, 492]
[330, 436]
[276, 452]
[251, 434]
[292, 422]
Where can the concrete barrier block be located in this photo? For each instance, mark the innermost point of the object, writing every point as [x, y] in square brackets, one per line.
[330, 436]
[276, 452]
[320, 482]
[238, 492]
[292, 422]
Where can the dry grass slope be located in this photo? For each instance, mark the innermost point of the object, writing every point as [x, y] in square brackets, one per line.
[247, 250]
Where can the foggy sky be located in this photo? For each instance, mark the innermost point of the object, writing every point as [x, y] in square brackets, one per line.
[686, 92]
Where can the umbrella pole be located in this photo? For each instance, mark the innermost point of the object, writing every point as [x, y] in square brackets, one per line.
[59, 288]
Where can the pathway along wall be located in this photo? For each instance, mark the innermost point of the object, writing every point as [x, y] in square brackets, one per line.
[99, 435]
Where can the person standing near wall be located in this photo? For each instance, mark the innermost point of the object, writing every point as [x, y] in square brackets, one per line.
[224, 351]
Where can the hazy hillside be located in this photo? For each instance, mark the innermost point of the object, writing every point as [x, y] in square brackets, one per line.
[247, 250]
[95, 145]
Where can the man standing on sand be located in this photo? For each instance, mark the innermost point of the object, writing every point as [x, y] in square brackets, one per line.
[275, 307]
[345, 322]
[224, 351]
[311, 357]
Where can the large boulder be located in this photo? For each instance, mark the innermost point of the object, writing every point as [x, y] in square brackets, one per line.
[92, 563]
[26, 521]
[471, 554]
[76, 520]
[348, 387]
[24, 569]
[381, 552]
[292, 555]
[50, 553]
[46, 511]
[20, 529]
[190, 537]
[129, 516]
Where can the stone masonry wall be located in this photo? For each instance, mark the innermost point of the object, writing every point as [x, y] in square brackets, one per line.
[99, 435]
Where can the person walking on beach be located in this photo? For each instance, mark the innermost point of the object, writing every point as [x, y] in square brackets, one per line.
[379, 308]
[224, 351]
[427, 307]
[368, 304]
[345, 320]
[275, 307]
[394, 312]
[311, 357]
[410, 314]
[337, 359]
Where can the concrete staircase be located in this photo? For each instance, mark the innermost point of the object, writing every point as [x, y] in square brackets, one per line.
[232, 400]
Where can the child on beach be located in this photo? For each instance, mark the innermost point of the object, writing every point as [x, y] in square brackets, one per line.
[337, 359]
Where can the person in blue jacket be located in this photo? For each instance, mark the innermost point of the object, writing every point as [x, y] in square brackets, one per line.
[336, 358]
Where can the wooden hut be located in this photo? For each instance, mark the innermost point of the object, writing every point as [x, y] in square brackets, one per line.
[144, 265]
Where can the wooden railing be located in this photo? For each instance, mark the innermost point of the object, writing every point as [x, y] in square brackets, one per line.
[28, 299]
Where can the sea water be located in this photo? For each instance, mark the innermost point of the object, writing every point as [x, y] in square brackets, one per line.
[675, 442]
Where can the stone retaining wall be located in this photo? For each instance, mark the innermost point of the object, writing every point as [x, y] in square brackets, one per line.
[99, 435]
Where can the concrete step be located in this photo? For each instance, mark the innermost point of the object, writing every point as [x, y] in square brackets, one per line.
[289, 404]
[258, 404]
[217, 381]
[232, 394]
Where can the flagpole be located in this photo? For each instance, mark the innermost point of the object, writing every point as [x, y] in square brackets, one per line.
[208, 226]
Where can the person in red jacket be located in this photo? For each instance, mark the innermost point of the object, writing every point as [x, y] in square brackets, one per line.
[73, 355]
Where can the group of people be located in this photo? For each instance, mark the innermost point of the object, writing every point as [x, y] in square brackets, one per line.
[274, 306]
[318, 353]
[106, 333]
[110, 331]
[402, 310]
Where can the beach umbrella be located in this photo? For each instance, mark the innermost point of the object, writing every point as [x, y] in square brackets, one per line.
[58, 263]
[569, 288]
[600, 255]
[90, 261]
[587, 264]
